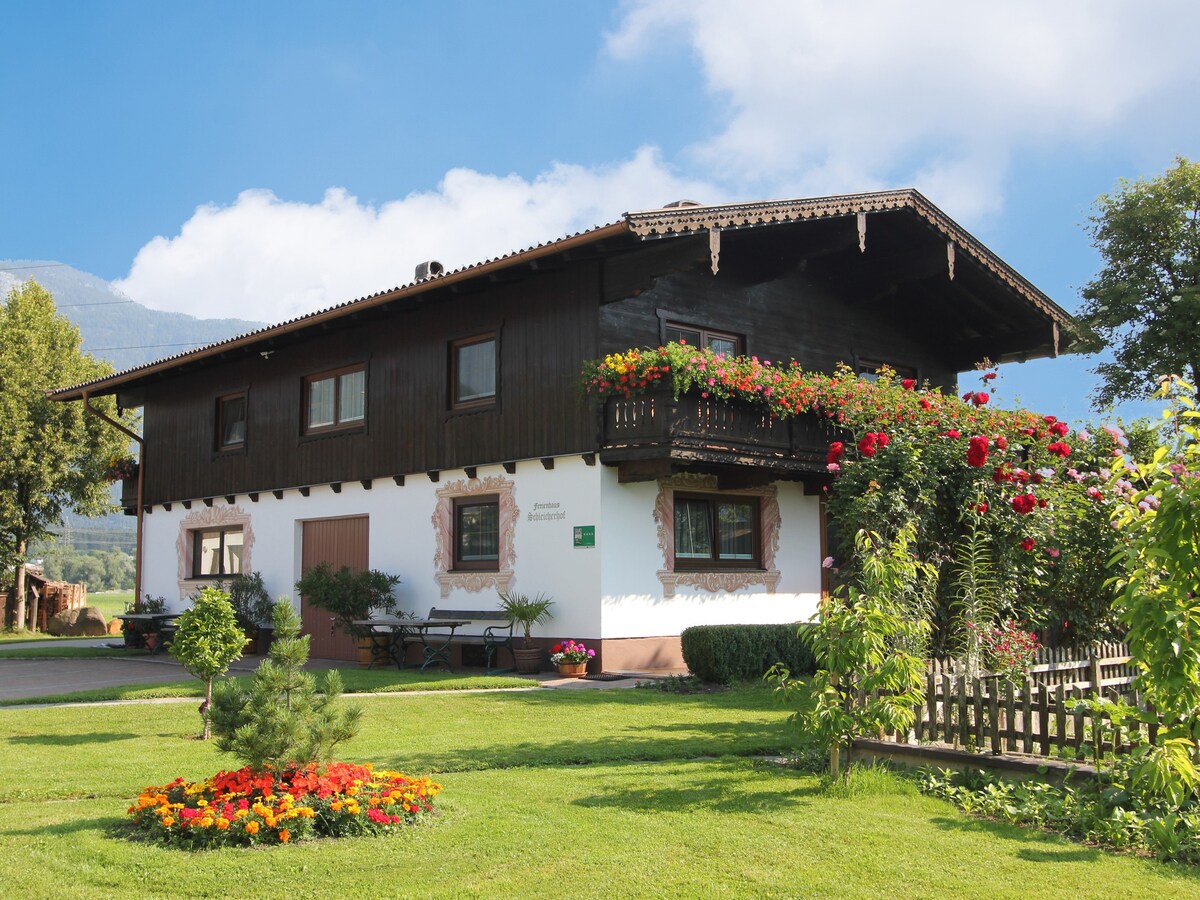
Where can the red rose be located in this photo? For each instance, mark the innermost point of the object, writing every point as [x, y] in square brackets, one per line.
[1001, 474]
[909, 384]
[1060, 429]
[1049, 420]
[866, 446]
[1002, 442]
[836, 449]
[1028, 544]
[977, 452]
[557, 648]
[925, 404]
[981, 508]
[979, 398]
[1024, 504]
[989, 376]
[1058, 448]
[882, 439]
[952, 433]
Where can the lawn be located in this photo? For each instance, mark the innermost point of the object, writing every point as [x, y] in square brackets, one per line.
[547, 793]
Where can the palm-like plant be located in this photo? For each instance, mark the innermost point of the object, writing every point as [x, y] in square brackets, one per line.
[527, 611]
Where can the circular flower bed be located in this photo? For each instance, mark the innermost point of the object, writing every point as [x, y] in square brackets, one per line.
[241, 808]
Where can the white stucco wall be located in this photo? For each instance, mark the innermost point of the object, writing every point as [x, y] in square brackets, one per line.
[608, 591]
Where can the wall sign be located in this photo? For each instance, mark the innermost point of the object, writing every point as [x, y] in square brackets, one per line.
[585, 535]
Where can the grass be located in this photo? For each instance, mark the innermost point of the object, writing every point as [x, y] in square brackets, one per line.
[49, 651]
[619, 793]
[110, 602]
[355, 681]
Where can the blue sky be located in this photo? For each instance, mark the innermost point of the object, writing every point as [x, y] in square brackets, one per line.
[265, 159]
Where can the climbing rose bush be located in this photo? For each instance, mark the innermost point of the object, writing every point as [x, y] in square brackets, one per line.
[245, 807]
[902, 451]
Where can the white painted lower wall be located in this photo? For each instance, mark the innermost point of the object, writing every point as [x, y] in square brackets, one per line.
[607, 591]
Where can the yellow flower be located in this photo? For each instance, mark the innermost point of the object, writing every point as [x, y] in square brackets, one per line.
[222, 823]
[202, 803]
[336, 805]
[241, 814]
[206, 822]
[168, 821]
[251, 828]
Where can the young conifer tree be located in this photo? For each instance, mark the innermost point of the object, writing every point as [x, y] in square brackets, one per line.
[287, 717]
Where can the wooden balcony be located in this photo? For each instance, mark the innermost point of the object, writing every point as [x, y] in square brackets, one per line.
[707, 430]
[129, 495]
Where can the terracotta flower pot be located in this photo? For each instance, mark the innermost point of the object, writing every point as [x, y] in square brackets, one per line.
[572, 670]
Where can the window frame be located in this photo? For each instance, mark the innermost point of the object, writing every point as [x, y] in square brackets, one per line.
[869, 368]
[336, 375]
[219, 436]
[197, 535]
[458, 564]
[714, 500]
[706, 334]
[485, 402]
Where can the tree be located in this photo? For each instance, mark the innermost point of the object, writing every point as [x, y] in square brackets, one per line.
[1145, 302]
[283, 719]
[209, 639]
[53, 456]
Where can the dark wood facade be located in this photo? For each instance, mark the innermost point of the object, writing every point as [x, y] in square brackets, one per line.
[902, 286]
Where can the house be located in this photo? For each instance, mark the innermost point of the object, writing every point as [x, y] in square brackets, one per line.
[436, 430]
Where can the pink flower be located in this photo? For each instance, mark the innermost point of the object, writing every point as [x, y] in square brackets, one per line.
[827, 562]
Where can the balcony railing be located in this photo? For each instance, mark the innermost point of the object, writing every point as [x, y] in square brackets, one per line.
[706, 429]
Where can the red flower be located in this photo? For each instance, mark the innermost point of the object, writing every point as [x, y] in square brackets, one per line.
[989, 376]
[1060, 429]
[981, 508]
[1028, 544]
[1058, 448]
[1024, 503]
[925, 404]
[909, 384]
[836, 449]
[1049, 420]
[977, 452]
[1002, 474]
[952, 433]
[557, 648]
[1001, 442]
[979, 398]
[882, 439]
[866, 446]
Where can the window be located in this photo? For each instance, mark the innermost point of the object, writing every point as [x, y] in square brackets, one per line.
[716, 341]
[477, 532]
[231, 421]
[217, 552]
[473, 372]
[716, 531]
[868, 369]
[335, 399]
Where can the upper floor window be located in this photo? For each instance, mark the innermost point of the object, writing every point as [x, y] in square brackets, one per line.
[705, 338]
[868, 369]
[477, 532]
[713, 530]
[217, 551]
[473, 372]
[335, 399]
[231, 421]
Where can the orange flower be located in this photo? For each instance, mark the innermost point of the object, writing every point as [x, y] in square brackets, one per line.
[284, 836]
[251, 828]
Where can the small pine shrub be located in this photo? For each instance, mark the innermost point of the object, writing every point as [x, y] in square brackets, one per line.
[725, 654]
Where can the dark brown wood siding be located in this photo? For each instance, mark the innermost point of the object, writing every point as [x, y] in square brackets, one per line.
[546, 323]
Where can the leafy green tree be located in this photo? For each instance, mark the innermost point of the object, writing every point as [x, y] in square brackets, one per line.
[53, 456]
[865, 640]
[1159, 577]
[1145, 302]
[287, 717]
[208, 641]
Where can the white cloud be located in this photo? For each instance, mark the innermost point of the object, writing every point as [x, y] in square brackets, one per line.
[847, 96]
[265, 258]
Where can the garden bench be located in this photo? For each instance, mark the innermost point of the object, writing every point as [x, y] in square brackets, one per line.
[499, 634]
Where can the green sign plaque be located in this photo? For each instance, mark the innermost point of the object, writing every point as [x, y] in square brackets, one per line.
[585, 535]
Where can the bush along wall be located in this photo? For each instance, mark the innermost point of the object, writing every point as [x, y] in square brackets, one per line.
[724, 654]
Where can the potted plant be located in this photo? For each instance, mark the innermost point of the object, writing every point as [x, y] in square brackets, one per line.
[137, 634]
[571, 657]
[527, 611]
[251, 605]
[350, 596]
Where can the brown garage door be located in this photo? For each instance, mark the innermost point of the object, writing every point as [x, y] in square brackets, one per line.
[339, 542]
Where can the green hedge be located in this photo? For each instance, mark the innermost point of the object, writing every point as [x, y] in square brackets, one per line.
[727, 653]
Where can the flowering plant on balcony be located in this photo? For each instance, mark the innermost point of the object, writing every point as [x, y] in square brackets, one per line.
[119, 468]
[570, 652]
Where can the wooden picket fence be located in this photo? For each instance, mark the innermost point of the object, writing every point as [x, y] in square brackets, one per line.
[990, 713]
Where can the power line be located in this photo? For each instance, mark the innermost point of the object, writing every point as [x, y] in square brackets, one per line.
[39, 266]
[146, 347]
[102, 303]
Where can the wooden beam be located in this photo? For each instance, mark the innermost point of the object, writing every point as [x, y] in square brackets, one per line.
[187, 504]
[278, 494]
[510, 468]
[167, 506]
[253, 495]
[148, 509]
[471, 471]
[337, 486]
[208, 501]
[632, 471]
[589, 459]
[367, 483]
[547, 462]
[399, 479]
[739, 479]
[434, 475]
[305, 491]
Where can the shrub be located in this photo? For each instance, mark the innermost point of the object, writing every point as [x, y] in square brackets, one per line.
[727, 653]
[209, 639]
[251, 602]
